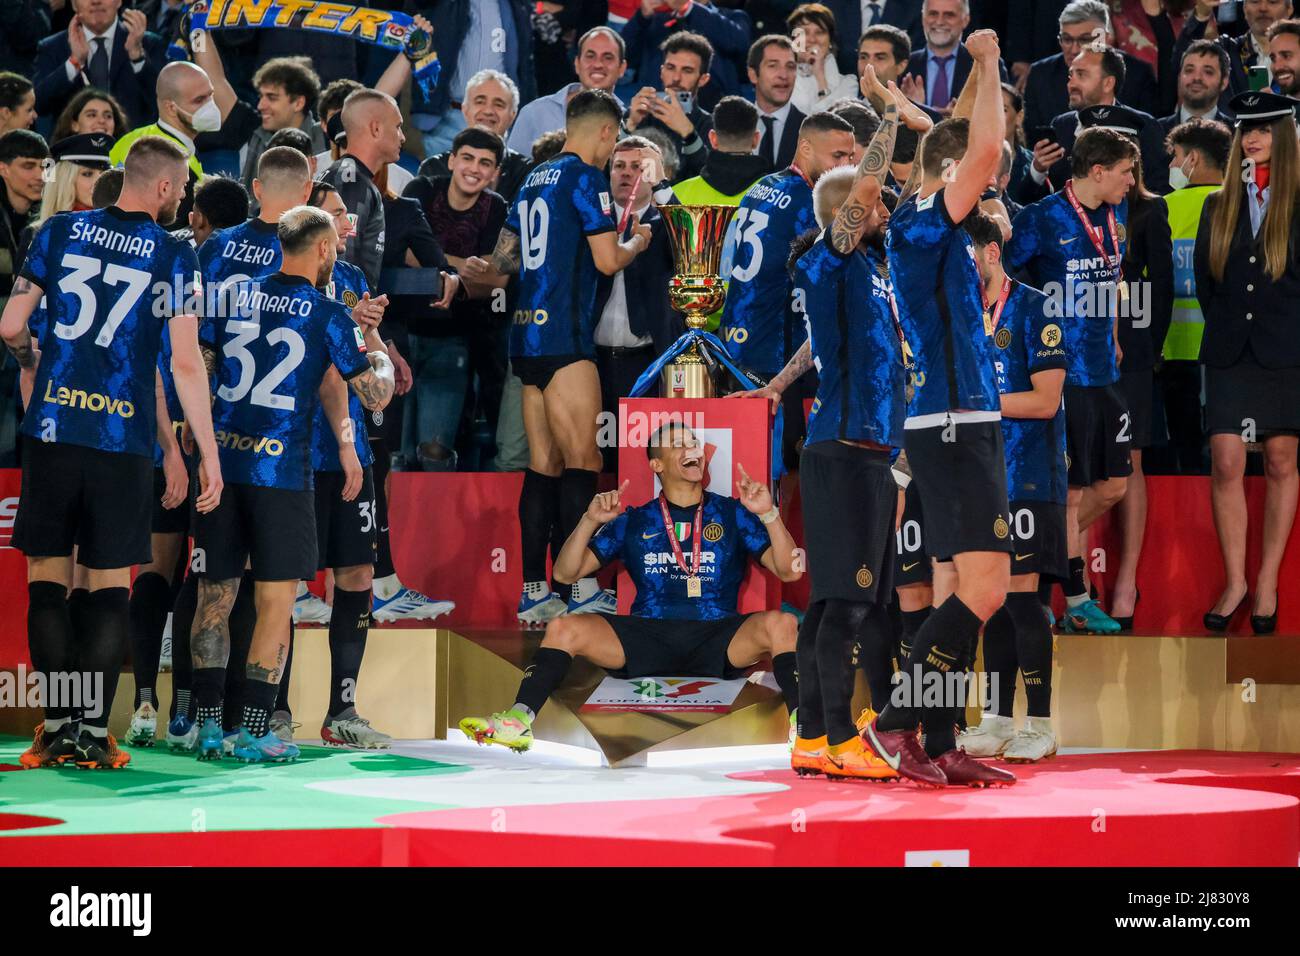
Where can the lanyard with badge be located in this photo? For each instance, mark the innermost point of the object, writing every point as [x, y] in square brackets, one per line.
[992, 311]
[693, 588]
[1097, 238]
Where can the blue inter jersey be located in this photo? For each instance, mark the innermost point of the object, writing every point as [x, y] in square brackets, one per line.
[1049, 242]
[731, 537]
[758, 325]
[233, 260]
[347, 285]
[174, 410]
[1029, 340]
[560, 204]
[855, 346]
[938, 290]
[268, 382]
[111, 279]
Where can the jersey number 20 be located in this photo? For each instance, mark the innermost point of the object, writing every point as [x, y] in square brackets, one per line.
[85, 268]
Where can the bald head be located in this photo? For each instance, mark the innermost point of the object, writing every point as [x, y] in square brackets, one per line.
[183, 89]
[373, 124]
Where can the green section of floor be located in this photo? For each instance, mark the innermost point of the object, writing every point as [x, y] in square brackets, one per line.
[162, 792]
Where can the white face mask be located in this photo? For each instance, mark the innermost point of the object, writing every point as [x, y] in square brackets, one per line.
[1178, 178]
[207, 118]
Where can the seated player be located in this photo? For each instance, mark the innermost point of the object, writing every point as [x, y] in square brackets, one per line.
[686, 552]
[1031, 363]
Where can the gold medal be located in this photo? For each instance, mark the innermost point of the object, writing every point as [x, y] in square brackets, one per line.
[988, 322]
[1123, 290]
[693, 586]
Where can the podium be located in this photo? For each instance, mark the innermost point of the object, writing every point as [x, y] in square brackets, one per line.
[734, 431]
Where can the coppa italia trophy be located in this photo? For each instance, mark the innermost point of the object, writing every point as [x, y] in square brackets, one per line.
[694, 365]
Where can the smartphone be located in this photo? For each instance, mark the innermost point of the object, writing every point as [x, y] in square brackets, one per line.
[1036, 134]
[1258, 77]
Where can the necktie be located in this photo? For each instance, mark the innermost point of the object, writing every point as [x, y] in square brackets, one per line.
[939, 95]
[767, 146]
[873, 14]
[97, 68]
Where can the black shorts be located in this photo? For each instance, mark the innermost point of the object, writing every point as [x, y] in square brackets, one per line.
[170, 520]
[849, 498]
[345, 530]
[1246, 394]
[963, 487]
[911, 565]
[97, 501]
[675, 648]
[1138, 391]
[538, 370]
[274, 528]
[1098, 434]
[1038, 530]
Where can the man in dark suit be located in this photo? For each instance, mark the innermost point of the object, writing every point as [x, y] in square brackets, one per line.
[634, 321]
[1032, 36]
[729, 35]
[1081, 23]
[1244, 52]
[99, 50]
[772, 71]
[683, 72]
[850, 25]
[937, 72]
[1094, 77]
[887, 49]
[1202, 80]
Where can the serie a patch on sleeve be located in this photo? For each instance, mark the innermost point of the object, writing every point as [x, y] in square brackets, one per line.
[606, 206]
[360, 337]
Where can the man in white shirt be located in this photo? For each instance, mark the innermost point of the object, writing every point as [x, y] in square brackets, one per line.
[772, 70]
[600, 64]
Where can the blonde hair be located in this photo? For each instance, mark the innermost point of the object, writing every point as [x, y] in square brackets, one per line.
[61, 194]
[1274, 237]
[831, 190]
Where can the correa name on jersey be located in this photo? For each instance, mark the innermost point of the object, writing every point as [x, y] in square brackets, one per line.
[855, 346]
[111, 280]
[940, 301]
[268, 382]
[758, 325]
[1049, 243]
[560, 204]
[731, 537]
[1029, 340]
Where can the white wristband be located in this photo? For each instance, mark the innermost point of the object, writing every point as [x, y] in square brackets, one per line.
[771, 516]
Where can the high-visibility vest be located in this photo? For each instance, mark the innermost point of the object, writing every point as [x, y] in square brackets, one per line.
[117, 154]
[1183, 343]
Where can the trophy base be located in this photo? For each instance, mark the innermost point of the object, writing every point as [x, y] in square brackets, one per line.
[688, 377]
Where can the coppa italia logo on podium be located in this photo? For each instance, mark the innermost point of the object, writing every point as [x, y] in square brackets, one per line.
[702, 694]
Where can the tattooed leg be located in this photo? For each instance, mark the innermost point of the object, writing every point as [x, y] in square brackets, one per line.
[270, 646]
[210, 635]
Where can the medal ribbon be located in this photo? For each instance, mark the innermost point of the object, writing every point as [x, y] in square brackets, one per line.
[1095, 233]
[1001, 303]
[694, 569]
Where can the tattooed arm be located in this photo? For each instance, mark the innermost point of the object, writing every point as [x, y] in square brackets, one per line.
[494, 271]
[376, 384]
[18, 310]
[799, 363]
[210, 635]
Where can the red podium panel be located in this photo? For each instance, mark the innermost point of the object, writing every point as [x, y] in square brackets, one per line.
[733, 431]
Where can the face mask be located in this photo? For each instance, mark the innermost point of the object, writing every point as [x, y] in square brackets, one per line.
[207, 118]
[1178, 178]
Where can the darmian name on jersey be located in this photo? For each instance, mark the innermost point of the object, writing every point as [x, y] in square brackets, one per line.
[89, 401]
[111, 239]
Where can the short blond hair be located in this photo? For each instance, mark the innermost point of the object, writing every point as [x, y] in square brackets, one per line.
[149, 158]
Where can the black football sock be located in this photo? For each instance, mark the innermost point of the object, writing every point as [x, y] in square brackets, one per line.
[912, 621]
[349, 625]
[1033, 639]
[1000, 658]
[50, 641]
[875, 643]
[259, 698]
[841, 622]
[811, 723]
[542, 676]
[102, 652]
[78, 601]
[151, 599]
[539, 501]
[282, 694]
[379, 476]
[243, 619]
[939, 649]
[577, 488]
[209, 685]
[786, 671]
[1076, 587]
[1046, 584]
[182, 663]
